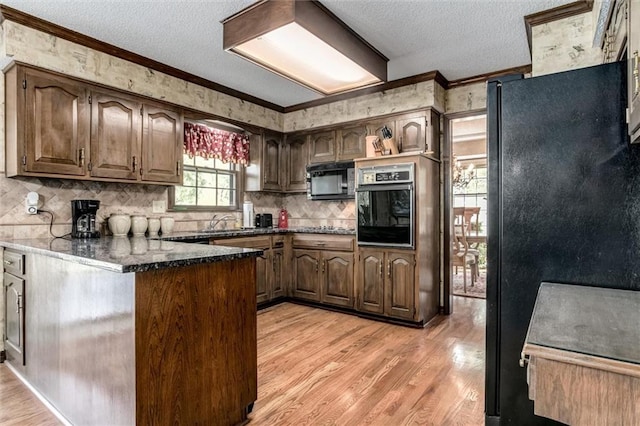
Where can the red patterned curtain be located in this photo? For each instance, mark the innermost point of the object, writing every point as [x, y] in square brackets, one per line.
[213, 143]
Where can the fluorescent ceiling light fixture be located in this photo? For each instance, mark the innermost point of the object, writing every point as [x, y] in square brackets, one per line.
[306, 43]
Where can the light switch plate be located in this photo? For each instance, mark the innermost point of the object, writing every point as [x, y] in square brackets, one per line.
[159, 206]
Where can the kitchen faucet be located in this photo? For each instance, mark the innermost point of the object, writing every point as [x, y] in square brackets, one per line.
[214, 221]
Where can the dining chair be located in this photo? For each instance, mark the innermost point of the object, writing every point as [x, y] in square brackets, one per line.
[462, 220]
[462, 256]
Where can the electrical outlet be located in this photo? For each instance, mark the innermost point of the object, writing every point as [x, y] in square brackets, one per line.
[159, 206]
[31, 202]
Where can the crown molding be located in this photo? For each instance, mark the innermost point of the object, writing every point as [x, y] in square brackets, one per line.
[522, 69]
[550, 15]
[431, 75]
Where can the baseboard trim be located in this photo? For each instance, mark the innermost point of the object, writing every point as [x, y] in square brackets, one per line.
[351, 311]
[38, 395]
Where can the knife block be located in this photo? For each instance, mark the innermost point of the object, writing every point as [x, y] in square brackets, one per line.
[371, 142]
[390, 145]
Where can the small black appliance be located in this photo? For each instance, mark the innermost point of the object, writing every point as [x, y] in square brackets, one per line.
[83, 216]
[264, 220]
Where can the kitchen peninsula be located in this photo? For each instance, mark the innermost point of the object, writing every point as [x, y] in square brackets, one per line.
[111, 337]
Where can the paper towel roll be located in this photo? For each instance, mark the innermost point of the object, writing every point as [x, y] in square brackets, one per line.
[247, 215]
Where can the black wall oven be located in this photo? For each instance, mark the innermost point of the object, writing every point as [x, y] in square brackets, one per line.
[385, 203]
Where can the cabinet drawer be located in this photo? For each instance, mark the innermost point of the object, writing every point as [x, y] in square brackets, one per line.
[13, 262]
[319, 241]
[278, 241]
[261, 242]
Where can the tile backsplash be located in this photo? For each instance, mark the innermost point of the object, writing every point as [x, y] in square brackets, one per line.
[56, 196]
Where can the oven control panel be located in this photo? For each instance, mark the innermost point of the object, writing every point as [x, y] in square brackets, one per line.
[399, 173]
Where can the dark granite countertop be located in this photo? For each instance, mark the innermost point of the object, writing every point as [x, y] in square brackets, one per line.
[136, 254]
[226, 233]
[596, 321]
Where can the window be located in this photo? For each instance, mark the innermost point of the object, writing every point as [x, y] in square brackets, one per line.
[208, 184]
[474, 195]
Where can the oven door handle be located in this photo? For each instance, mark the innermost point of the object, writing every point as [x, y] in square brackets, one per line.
[385, 187]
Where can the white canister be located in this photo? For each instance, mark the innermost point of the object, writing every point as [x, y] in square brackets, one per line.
[138, 225]
[166, 224]
[153, 226]
[119, 224]
[247, 215]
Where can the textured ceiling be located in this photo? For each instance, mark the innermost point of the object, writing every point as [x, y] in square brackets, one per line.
[459, 38]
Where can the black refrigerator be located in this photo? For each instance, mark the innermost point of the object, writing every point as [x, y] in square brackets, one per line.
[564, 206]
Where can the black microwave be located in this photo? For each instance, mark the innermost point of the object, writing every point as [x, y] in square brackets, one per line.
[331, 181]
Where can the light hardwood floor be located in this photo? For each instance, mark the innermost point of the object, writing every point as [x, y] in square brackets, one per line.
[317, 367]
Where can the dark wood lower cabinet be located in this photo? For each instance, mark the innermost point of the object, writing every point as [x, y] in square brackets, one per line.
[262, 277]
[306, 274]
[278, 283]
[371, 281]
[400, 289]
[337, 278]
[386, 283]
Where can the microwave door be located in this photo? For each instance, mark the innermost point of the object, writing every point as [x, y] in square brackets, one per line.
[329, 184]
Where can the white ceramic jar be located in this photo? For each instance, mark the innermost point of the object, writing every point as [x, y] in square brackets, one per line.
[166, 224]
[153, 226]
[138, 225]
[119, 224]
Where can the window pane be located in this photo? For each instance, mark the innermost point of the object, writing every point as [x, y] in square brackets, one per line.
[207, 180]
[189, 178]
[202, 162]
[226, 197]
[223, 166]
[187, 161]
[225, 181]
[185, 196]
[206, 197]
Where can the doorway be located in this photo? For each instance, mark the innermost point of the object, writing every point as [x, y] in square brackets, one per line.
[465, 205]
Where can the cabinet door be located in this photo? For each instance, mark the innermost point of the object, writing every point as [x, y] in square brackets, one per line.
[633, 34]
[272, 162]
[400, 288]
[351, 143]
[337, 278]
[306, 274]
[56, 124]
[161, 145]
[14, 317]
[263, 274]
[411, 134]
[616, 33]
[371, 281]
[322, 147]
[296, 163]
[116, 132]
[277, 277]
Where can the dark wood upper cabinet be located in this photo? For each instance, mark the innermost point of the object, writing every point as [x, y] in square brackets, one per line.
[322, 147]
[115, 136]
[62, 127]
[56, 122]
[411, 134]
[161, 145]
[296, 154]
[351, 143]
[272, 152]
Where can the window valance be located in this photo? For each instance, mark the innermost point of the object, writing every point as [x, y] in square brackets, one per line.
[207, 142]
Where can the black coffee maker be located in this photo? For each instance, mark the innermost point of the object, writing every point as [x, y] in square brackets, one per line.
[83, 216]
